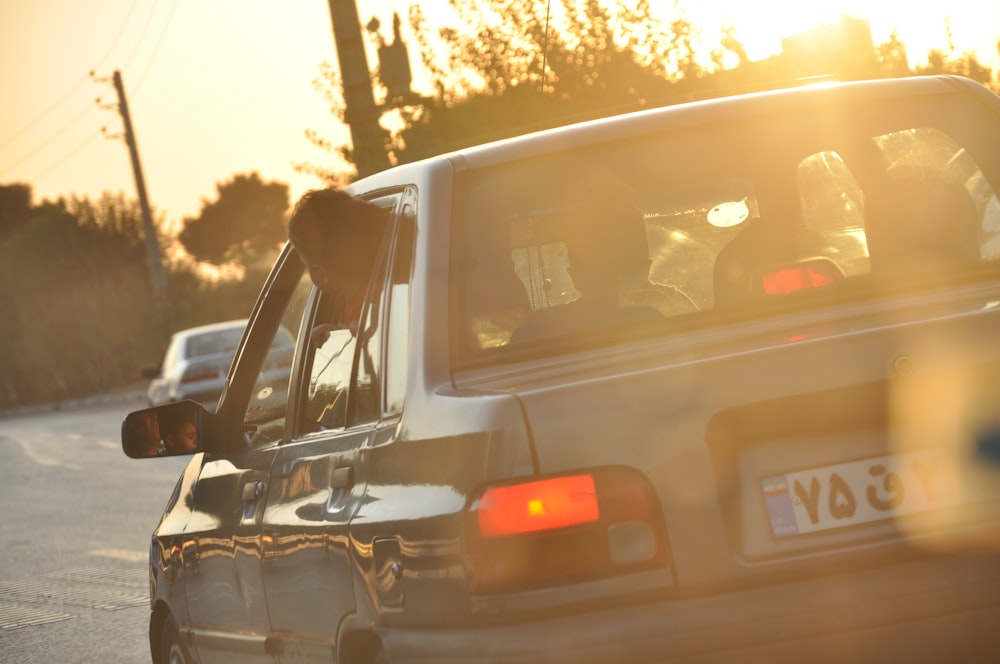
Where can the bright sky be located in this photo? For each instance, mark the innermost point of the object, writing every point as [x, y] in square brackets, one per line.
[221, 87]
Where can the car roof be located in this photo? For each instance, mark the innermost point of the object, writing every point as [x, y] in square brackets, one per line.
[212, 327]
[666, 118]
[695, 113]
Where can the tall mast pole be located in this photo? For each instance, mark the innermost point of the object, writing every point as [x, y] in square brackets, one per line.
[361, 113]
[157, 274]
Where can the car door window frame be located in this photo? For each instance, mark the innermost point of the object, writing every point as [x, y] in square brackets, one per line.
[263, 322]
[299, 425]
[396, 330]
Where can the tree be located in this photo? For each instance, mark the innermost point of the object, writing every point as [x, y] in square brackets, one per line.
[508, 66]
[76, 301]
[62, 244]
[15, 208]
[505, 67]
[892, 56]
[245, 223]
[949, 61]
[965, 64]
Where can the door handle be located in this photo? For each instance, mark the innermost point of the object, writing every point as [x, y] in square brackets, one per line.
[342, 477]
[253, 490]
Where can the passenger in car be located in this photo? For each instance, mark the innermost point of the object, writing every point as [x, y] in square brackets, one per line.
[609, 263]
[496, 299]
[181, 436]
[759, 244]
[922, 224]
[145, 430]
[338, 236]
[761, 247]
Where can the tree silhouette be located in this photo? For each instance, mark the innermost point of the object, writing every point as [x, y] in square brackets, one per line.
[505, 67]
[15, 208]
[66, 242]
[508, 66]
[73, 285]
[243, 224]
[892, 56]
[941, 61]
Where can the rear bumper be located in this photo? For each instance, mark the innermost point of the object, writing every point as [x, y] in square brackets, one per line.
[929, 610]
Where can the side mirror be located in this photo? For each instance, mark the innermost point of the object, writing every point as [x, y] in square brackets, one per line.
[172, 429]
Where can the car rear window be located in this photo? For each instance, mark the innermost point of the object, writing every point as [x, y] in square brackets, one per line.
[674, 229]
[215, 342]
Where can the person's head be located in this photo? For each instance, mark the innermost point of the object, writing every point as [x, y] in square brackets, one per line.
[337, 236]
[182, 437]
[150, 425]
[145, 430]
[606, 237]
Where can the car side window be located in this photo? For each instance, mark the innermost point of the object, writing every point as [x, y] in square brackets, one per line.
[363, 405]
[833, 211]
[398, 317]
[931, 213]
[331, 362]
[344, 366]
[264, 419]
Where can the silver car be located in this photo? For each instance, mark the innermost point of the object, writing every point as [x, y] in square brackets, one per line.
[712, 382]
[196, 361]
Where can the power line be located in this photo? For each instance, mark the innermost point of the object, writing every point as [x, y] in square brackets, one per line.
[64, 158]
[79, 116]
[142, 33]
[38, 118]
[156, 48]
[121, 31]
[47, 141]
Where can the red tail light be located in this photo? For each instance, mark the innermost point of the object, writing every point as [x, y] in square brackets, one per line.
[202, 374]
[791, 280]
[810, 273]
[543, 505]
[562, 529]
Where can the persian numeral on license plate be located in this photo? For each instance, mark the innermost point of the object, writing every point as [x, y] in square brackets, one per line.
[857, 492]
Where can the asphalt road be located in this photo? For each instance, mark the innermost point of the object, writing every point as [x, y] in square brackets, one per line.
[74, 535]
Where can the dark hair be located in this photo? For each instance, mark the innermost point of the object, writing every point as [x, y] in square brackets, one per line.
[330, 215]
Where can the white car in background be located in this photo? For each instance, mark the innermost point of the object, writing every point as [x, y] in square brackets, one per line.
[197, 359]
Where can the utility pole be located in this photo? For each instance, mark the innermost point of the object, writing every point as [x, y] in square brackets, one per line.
[361, 113]
[157, 275]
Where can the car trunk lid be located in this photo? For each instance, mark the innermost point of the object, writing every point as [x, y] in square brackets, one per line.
[784, 444]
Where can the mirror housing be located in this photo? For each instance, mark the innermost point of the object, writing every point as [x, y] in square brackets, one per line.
[173, 429]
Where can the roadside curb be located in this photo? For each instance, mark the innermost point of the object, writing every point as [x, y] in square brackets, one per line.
[134, 394]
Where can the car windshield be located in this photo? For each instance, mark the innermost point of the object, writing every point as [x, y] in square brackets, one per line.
[214, 342]
[672, 230]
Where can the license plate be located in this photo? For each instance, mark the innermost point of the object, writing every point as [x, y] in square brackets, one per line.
[857, 492]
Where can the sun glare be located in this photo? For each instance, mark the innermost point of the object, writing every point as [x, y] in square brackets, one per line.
[761, 25]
